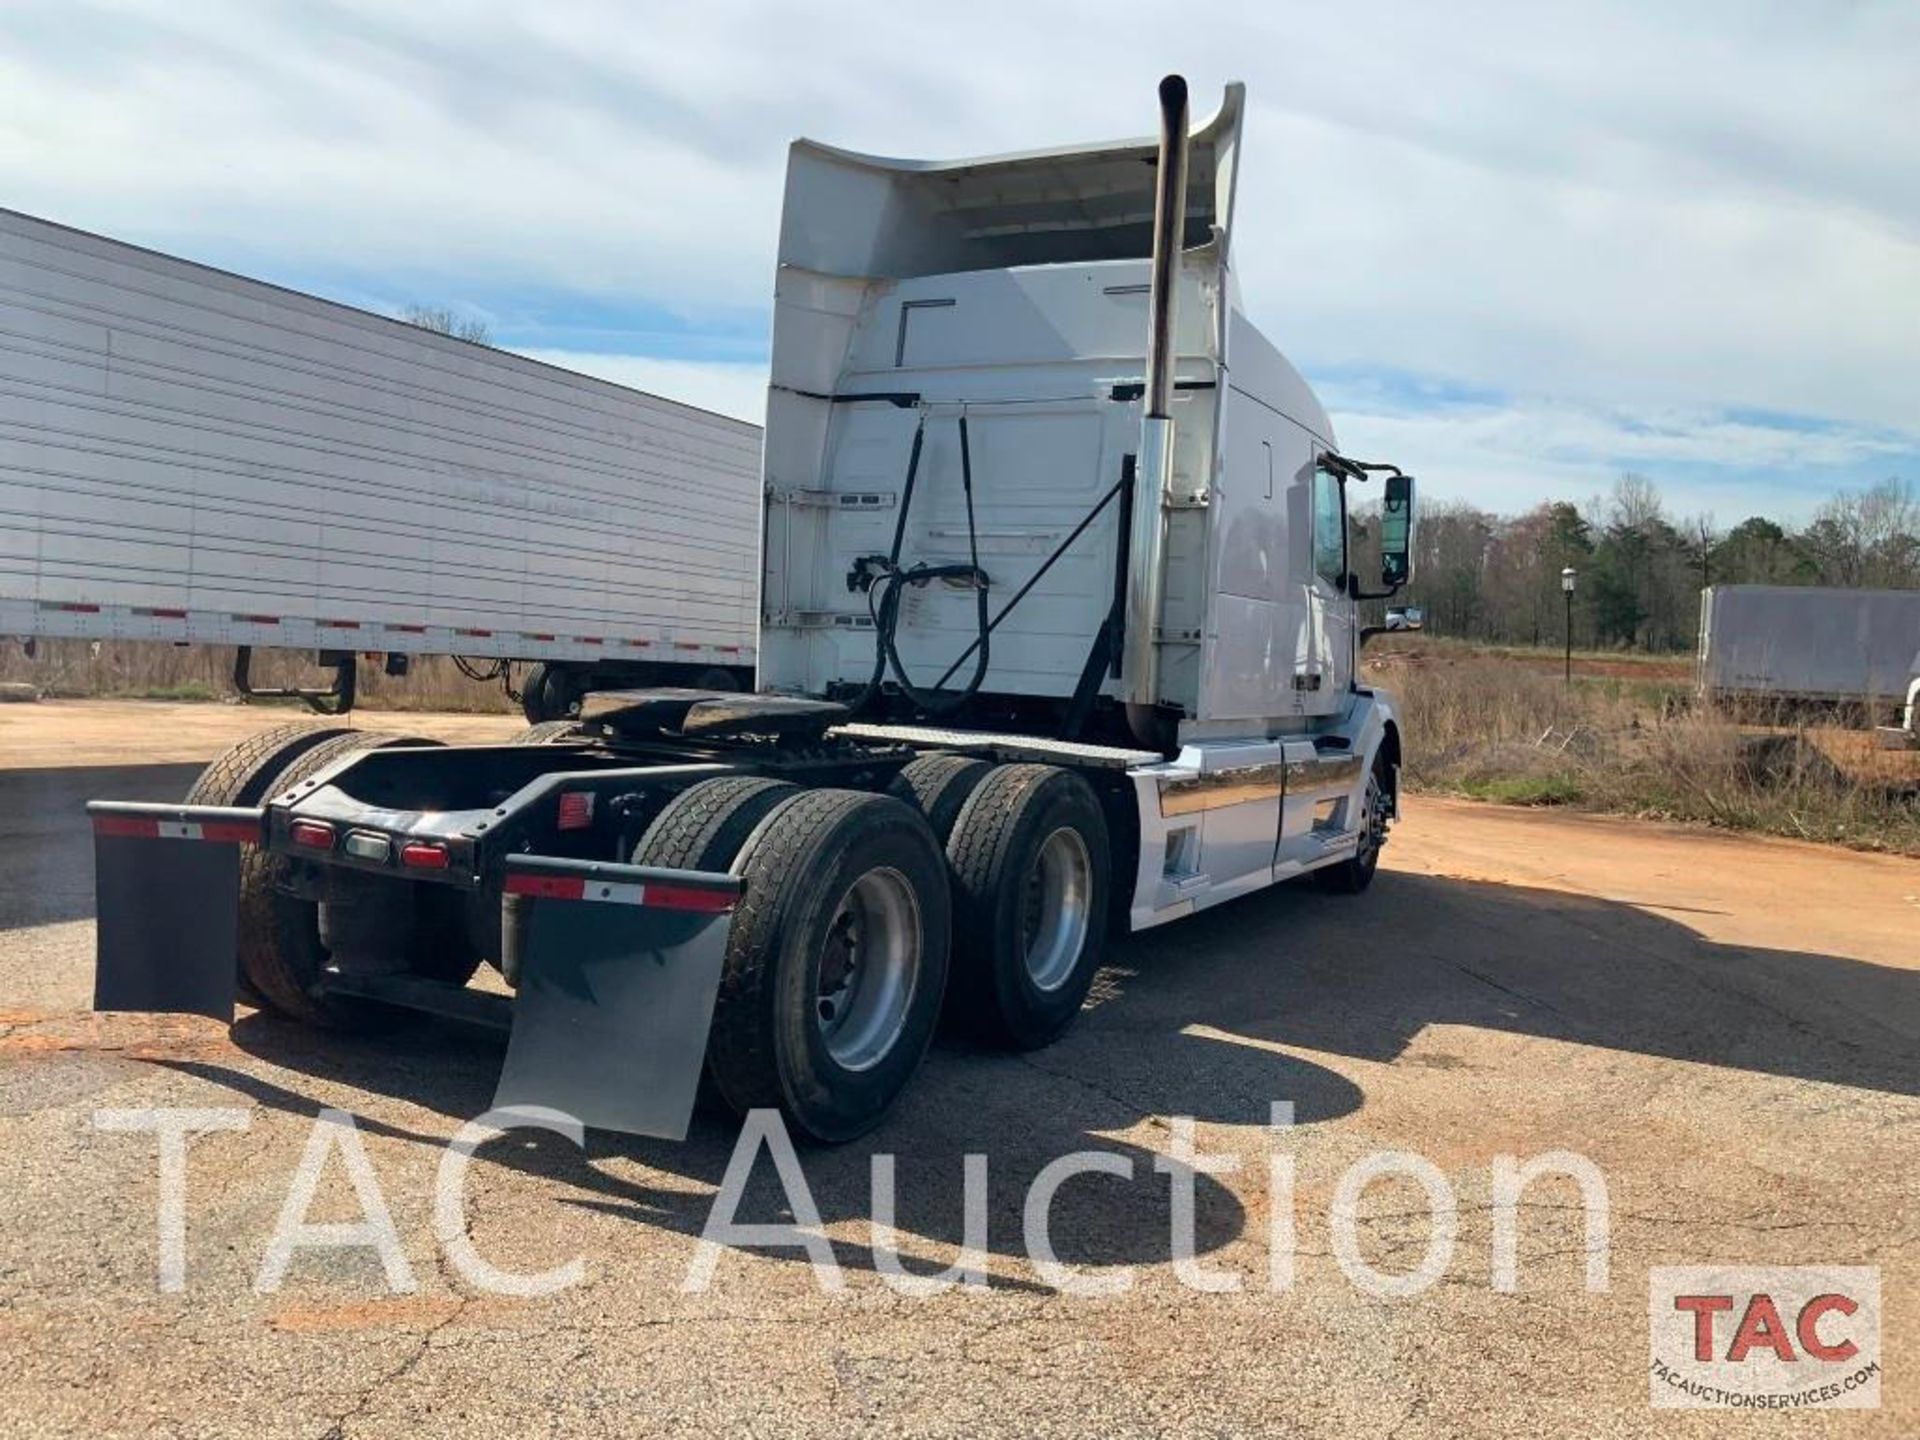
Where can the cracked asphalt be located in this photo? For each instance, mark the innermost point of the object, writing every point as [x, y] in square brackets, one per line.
[1726, 1027]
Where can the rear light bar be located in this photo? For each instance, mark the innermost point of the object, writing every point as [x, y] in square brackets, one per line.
[314, 834]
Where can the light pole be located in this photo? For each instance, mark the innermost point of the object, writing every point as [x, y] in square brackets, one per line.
[1567, 578]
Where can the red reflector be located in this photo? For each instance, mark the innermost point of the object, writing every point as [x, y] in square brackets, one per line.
[127, 826]
[551, 887]
[576, 809]
[312, 833]
[686, 897]
[419, 855]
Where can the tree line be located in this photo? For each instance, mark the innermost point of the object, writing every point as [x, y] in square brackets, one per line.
[1639, 568]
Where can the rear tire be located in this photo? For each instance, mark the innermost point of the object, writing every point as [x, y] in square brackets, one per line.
[703, 827]
[281, 953]
[548, 732]
[1029, 855]
[503, 930]
[836, 963]
[938, 786]
[245, 775]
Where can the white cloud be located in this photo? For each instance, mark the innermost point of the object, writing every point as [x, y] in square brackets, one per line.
[1642, 209]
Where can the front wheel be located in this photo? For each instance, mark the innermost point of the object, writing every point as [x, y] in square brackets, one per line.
[836, 963]
[1355, 873]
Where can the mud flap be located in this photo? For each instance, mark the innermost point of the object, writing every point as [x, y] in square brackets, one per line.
[617, 985]
[167, 899]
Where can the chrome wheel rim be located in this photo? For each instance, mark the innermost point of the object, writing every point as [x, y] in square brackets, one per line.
[869, 968]
[1056, 906]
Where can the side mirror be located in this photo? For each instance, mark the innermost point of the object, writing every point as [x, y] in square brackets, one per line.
[1396, 532]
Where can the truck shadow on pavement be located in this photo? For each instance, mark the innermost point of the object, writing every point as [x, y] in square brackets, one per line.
[1204, 1020]
[46, 845]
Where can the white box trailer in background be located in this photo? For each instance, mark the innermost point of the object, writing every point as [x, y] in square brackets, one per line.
[190, 456]
[1807, 643]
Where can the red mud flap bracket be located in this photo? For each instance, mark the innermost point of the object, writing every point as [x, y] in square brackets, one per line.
[166, 882]
[617, 983]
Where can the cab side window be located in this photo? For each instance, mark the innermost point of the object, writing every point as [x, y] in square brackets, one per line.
[1329, 529]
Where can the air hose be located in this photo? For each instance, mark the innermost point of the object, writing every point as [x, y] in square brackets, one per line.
[883, 580]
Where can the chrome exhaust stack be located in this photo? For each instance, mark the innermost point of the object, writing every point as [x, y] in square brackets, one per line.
[1146, 580]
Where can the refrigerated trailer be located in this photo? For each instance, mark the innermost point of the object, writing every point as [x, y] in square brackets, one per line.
[1058, 641]
[1794, 643]
[187, 456]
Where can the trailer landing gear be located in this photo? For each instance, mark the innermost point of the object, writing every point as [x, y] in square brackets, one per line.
[335, 699]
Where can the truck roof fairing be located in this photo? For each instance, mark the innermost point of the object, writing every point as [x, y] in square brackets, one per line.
[863, 215]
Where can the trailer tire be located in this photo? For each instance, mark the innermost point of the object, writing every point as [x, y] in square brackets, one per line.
[1029, 855]
[836, 963]
[550, 692]
[281, 954]
[245, 774]
[704, 826]
[1354, 874]
[938, 786]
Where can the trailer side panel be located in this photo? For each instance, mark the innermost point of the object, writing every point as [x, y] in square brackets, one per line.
[189, 455]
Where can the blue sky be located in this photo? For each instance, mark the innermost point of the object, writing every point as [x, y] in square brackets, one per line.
[1518, 248]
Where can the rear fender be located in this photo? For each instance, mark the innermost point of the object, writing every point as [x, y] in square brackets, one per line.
[618, 978]
[167, 895]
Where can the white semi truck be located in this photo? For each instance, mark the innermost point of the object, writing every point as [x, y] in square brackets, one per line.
[1058, 640]
[187, 456]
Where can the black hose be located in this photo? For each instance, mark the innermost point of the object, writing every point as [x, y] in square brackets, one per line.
[884, 580]
[1035, 578]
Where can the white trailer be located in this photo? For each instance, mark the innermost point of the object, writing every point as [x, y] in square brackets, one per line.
[189, 456]
[1020, 432]
[1794, 643]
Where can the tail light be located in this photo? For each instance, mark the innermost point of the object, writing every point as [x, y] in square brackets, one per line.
[576, 809]
[421, 855]
[314, 834]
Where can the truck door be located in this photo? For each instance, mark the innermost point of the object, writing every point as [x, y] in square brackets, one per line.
[1332, 669]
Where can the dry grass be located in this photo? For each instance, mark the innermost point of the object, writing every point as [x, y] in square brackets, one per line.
[1499, 726]
[146, 671]
[1491, 727]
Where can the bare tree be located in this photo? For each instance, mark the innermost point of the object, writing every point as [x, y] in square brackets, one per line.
[442, 321]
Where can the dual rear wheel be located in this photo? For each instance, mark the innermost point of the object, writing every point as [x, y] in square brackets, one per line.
[970, 887]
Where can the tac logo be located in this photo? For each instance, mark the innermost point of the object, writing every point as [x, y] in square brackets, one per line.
[1764, 1337]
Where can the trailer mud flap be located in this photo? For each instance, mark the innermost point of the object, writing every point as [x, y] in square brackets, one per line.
[167, 899]
[617, 985]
